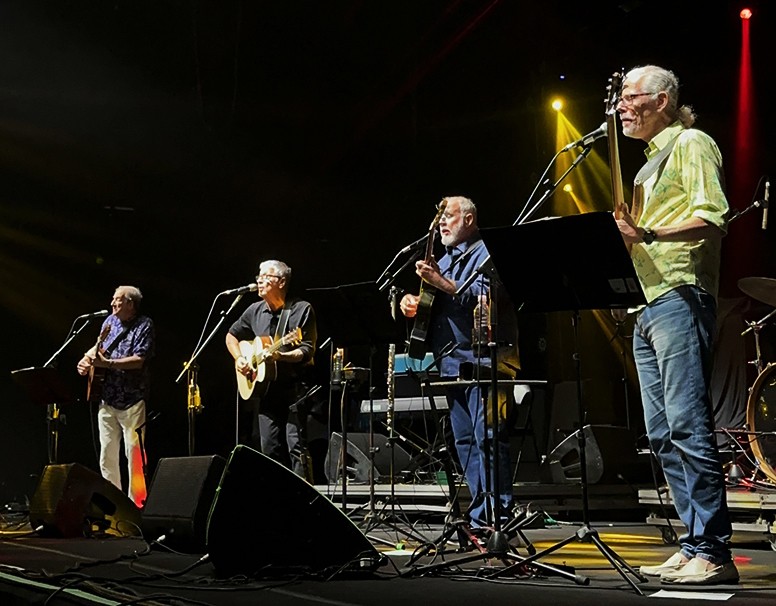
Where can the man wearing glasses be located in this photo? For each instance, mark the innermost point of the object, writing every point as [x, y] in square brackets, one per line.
[273, 345]
[675, 228]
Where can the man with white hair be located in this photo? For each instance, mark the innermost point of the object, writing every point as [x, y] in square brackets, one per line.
[674, 229]
[119, 382]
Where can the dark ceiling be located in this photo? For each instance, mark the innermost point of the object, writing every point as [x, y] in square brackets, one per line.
[173, 144]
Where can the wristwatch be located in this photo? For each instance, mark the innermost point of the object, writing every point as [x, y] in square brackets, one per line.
[649, 236]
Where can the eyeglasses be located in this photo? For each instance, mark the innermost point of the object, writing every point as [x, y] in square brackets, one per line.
[266, 277]
[629, 99]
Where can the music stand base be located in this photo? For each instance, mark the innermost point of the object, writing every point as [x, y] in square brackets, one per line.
[376, 519]
[497, 548]
[586, 534]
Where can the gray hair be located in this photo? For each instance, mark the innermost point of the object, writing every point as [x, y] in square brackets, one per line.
[281, 269]
[658, 79]
[467, 206]
[131, 293]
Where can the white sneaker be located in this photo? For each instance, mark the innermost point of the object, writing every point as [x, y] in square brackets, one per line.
[672, 564]
[702, 572]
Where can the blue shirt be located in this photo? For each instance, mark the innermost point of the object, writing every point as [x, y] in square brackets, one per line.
[452, 317]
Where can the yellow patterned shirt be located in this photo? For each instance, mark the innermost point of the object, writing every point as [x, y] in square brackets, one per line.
[689, 184]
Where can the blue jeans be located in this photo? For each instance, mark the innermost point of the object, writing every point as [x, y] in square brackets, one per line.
[672, 347]
[468, 424]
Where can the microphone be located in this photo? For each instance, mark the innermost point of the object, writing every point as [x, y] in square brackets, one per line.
[588, 138]
[97, 314]
[765, 204]
[416, 244]
[337, 367]
[253, 287]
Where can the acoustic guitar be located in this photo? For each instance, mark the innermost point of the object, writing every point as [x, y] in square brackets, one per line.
[257, 353]
[97, 375]
[416, 348]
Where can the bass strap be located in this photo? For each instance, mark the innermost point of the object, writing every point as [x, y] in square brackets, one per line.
[650, 168]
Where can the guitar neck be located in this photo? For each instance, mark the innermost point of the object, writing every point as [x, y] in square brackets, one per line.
[612, 99]
[618, 197]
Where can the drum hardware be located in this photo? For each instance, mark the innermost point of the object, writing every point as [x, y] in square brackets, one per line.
[755, 328]
[762, 289]
[740, 441]
[761, 420]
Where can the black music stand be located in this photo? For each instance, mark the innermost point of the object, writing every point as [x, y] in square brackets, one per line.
[357, 315]
[45, 387]
[593, 271]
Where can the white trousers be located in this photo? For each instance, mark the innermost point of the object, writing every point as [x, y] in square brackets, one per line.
[115, 425]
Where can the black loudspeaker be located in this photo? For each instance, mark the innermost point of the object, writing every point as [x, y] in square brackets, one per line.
[609, 450]
[266, 519]
[73, 501]
[358, 461]
[179, 500]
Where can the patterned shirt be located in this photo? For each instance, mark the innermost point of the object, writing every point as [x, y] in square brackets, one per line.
[690, 184]
[125, 388]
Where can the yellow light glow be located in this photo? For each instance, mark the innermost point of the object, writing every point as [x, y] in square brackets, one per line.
[557, 105]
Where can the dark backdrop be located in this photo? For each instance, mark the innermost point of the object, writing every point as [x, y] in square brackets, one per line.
[172, 144]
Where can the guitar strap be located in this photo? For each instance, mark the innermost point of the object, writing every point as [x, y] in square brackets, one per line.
[463, 256]
[281, 328]
[119, 338]
[650, 168]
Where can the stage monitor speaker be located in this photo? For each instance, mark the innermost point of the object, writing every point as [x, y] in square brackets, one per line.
[358, 461]
[179, 500]
[266, 520]
[609, 450]
[73, 501]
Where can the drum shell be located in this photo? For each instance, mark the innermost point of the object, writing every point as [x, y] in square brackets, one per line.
[761, 420]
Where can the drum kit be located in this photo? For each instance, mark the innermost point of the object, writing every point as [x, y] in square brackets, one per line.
[760, 417]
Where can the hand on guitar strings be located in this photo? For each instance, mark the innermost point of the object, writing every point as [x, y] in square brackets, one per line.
[627, 226]
[244, 367]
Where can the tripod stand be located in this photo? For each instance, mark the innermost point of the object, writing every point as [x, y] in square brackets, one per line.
[571, 283]
[357, 315]
[497, 545]
[455, 525]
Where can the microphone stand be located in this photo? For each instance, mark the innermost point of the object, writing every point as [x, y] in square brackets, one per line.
[388, 277]
[755, 204]
[54, 416]
[523, 215]
[193, 400]
[73, 334]
[497, 546]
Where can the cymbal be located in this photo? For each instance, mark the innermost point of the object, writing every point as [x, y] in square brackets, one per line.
[762, 289]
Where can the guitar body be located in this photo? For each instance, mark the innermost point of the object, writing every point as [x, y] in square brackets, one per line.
[95, 384]
[416, 346]
[257, 353]
[262, 370]
[96, 378]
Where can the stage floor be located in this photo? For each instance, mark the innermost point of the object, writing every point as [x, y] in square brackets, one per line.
[113, 570]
